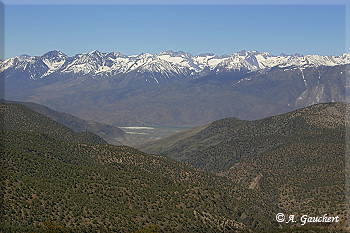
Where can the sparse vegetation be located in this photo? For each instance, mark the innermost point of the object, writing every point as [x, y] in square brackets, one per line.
[54, 180]
[99, 187]
[296, 160]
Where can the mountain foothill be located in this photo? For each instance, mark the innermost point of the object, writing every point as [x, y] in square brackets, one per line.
[266, 134]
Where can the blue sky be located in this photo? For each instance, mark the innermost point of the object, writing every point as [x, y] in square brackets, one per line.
[132, 29]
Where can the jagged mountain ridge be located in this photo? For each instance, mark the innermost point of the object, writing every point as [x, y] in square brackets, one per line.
[164, 65]
[175, 88]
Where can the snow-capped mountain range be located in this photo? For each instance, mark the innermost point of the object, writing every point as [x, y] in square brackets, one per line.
[164, 65]
[193, 89]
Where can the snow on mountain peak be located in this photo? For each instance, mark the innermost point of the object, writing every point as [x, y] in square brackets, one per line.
[23, 57]
[54, 54]
[166, 62]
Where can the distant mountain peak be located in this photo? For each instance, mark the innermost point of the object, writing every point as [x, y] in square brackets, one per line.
[98, 64]
[55, 54]
[167, 52]
[95, 52]
[297, 55]
[24, 56]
